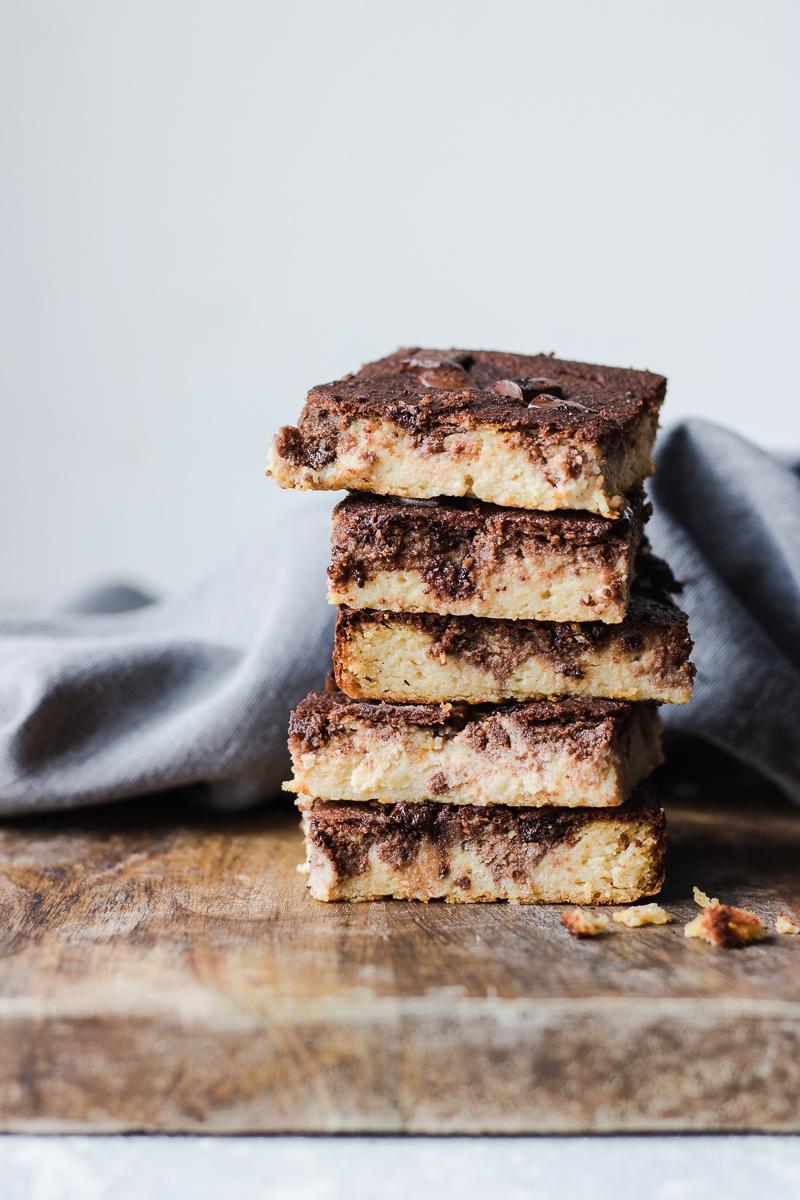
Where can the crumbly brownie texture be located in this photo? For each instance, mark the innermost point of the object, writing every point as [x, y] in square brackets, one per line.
[473, 559]
[523, 431]
[726, 926]
[644, 914]
[565, 753]
[582, 923]
[428, 659]
[465, 854]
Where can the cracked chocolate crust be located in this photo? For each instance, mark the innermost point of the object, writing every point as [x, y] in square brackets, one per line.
[427, 391]
[321, 715]
[502, 837]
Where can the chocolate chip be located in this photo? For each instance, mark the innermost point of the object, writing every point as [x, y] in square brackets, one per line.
[424, 362]
[538, 387]
[543, 393]
[446, 376]
[509, 389]
[440, 370]
[536, 393]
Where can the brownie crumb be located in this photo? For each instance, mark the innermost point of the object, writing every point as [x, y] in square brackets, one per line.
[726, 926]
[582, 924]
[702, 899]
[642, 914]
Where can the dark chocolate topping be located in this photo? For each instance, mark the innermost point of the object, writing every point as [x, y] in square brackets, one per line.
[426, 391]
[322, 714]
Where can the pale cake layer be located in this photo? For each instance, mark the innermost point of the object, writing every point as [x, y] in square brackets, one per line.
[544, 590]
[496, 466]
[429, 659]
[568, 754]
[468, 855]
[522, 431]
[472, 559]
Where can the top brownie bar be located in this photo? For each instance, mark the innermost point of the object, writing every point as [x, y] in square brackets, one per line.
[527, 431]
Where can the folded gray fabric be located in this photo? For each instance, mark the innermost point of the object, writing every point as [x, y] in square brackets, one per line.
[120, 697]
[727, 519]
[98, 704]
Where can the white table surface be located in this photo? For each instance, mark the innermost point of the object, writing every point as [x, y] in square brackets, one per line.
[326, 1168]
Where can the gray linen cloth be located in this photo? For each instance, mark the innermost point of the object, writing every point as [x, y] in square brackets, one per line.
[122, 696]
[727, 519]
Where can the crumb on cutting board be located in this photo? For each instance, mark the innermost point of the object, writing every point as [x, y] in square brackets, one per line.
[642, 914]
[582, 923]
[786, 924]
[726, 926]
[704, 900]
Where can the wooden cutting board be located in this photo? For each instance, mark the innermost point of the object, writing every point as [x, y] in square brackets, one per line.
[164, 970]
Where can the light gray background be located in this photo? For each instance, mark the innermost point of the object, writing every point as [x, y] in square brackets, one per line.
[208, 206]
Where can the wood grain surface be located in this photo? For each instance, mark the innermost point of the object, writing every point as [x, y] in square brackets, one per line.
[163, 969]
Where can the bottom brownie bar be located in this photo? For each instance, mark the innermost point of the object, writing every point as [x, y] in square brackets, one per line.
[465, 854]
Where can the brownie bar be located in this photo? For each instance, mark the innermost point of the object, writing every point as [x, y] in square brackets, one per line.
[428, 659]
[467, 558]
[522, 431]
[465, 854]
[565, 753]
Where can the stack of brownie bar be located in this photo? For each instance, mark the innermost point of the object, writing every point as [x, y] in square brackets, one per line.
[504, 634]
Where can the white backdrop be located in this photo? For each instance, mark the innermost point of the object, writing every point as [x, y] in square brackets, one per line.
[207, 207]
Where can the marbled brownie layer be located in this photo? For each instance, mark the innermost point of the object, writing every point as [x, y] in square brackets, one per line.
[466, 854]
[564, 753]
[425, 658]
[466, 558]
